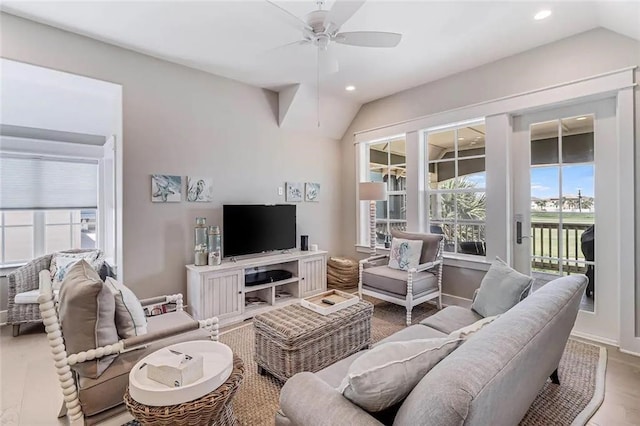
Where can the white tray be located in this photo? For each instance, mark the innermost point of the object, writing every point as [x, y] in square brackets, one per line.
[217, 366]
[342, 300]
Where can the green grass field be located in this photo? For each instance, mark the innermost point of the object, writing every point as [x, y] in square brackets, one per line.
[567, 217]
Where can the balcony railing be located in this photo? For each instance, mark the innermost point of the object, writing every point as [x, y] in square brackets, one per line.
[546, 247]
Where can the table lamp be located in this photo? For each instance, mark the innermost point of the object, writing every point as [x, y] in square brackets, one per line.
[372, 192]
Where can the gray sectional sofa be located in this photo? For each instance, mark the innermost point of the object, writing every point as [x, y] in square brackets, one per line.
[491, 379]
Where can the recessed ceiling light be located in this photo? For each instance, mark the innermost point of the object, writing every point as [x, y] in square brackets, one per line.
[350, 88]
[581, 118]
[542, 15]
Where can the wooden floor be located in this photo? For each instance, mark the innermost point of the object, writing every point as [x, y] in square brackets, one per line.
[30, 395]
[621, 406]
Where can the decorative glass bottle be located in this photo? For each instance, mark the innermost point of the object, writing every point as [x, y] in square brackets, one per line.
[215, 248]
[200, 248]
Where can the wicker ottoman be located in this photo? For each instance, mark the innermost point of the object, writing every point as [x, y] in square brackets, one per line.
[294, 339]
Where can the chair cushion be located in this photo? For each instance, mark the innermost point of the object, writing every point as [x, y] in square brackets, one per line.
[386, 374]
[29, 297]
[87, 311]
[451, 318]
[501, 289]
[105, 392]
[430, 243]
[130, 318]
[404, 254]
[395, 281]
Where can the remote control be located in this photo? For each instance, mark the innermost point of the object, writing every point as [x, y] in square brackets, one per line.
[328, 302]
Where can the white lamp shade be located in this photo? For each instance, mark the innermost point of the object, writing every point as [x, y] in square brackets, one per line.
[373, 191]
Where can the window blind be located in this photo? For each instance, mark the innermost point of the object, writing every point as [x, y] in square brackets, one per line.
[31, 183]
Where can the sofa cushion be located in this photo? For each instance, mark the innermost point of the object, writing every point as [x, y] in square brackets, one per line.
[466, 332]
[105, 392]
[130, 318]
[412, 332]
[451, 318]
[87, 311]
[335, 373]
[386, 374]
[404, 254]
[430, 243]
[395, 281]
[501, 289]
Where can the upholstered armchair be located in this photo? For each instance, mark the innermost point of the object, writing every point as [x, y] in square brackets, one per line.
[23, 288]
[406, 288]
[87, 401]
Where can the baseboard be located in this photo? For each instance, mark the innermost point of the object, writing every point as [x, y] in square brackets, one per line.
[3, 317]
[624, 351]
[596, 339]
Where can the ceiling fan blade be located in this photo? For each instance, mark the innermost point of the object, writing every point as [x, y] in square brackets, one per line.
[368, 38]
[340, 13]
[282, 46]
[292, 19]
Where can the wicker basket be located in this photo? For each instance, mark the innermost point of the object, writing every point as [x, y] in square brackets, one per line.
[294, 339]
[212, 409]
[342, 273]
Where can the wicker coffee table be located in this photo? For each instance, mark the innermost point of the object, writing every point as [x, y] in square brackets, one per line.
[294, 339]
[213, 408]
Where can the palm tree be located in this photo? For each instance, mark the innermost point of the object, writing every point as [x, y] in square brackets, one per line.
[470, 206]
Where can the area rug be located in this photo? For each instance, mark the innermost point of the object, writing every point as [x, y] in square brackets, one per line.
[581, 371]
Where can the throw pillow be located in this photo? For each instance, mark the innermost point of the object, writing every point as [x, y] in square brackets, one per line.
[465, 332]
[87, 310]
[501, 289]
[386, 374]
[404, 254]
[130, 318]
[62, 261]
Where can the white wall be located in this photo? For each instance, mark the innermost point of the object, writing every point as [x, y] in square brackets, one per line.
[579, 56]
[181, 121]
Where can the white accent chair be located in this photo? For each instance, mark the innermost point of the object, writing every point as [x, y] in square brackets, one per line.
[88, 401]
[405, 288]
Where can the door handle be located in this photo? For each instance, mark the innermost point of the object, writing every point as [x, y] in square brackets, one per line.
[519, 236]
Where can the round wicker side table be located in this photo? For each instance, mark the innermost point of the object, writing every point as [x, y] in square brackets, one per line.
[212, 409]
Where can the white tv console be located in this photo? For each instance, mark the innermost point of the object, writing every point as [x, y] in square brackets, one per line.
[220, 290]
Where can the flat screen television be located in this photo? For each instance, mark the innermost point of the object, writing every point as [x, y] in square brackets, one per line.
[254, 228]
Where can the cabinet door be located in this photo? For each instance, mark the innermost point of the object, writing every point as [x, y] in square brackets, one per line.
[313, 275]
[222, 294]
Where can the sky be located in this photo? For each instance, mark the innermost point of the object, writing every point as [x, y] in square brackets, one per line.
[544, 181]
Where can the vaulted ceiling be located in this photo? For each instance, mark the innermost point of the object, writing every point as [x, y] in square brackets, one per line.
[240, 39]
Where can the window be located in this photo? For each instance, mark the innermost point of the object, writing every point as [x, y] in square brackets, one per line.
[47, 205]
[387, 163]
[456, 182]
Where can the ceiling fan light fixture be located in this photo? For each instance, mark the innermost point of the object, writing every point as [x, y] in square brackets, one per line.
[543, 14]
[350, 88]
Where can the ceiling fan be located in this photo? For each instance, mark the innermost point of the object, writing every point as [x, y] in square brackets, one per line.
[321, 28]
